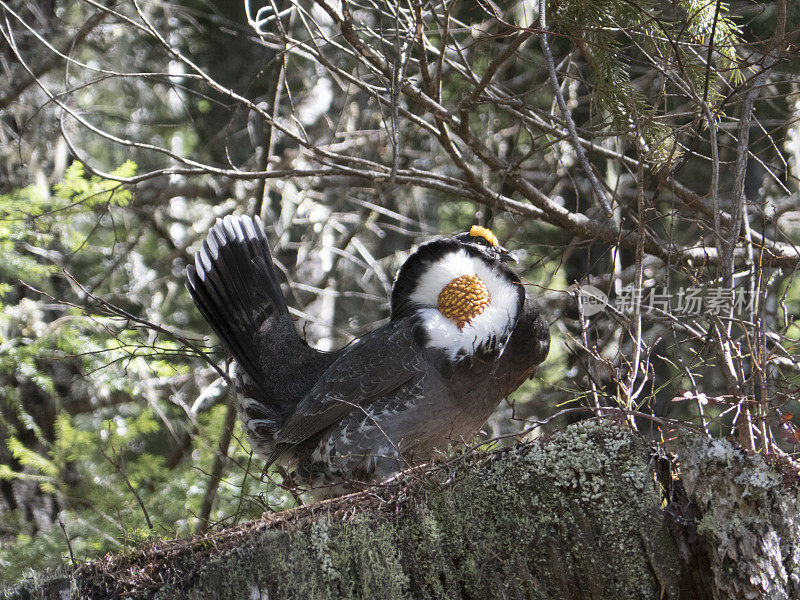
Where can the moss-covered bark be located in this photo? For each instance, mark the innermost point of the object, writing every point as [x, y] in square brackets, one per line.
[748, 515]
[582, 515]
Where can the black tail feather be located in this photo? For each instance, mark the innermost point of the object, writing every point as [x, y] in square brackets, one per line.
[235, 288]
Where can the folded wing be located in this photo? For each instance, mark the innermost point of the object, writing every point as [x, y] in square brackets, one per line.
[372, 368]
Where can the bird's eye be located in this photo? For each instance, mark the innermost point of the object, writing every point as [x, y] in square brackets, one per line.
[483, 236]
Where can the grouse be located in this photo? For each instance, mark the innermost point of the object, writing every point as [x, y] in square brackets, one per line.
[462, 335]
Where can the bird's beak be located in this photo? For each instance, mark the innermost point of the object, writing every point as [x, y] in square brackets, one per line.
[507, 256]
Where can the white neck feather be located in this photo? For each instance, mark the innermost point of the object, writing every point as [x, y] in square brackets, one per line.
[496, 319]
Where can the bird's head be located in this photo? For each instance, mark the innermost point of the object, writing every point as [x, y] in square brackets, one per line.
[483, 240]
[463, 290]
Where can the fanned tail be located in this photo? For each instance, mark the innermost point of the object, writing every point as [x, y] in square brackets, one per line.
[234, 285]
[235, 288]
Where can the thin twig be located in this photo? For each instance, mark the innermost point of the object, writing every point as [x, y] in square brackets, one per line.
[220, 458]
[116, 462]
[69, 544]
[567, 115]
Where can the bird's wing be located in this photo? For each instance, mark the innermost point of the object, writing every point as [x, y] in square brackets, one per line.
[370, 369]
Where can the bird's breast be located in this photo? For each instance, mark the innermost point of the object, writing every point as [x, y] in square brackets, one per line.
[467, 305]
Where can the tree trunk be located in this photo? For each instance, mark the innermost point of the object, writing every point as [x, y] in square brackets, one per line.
[593, 512]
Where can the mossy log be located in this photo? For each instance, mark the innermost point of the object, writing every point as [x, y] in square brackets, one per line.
[592, 512]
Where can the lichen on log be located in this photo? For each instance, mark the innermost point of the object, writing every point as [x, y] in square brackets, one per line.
[592, 512]
[749, 518]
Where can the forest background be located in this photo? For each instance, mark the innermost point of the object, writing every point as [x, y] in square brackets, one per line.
[648, 149]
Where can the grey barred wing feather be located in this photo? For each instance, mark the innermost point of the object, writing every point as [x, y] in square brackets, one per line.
[372, 368]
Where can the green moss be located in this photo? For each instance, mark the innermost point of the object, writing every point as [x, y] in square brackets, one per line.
[544, 517]
[556, 519]
[571, 517]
